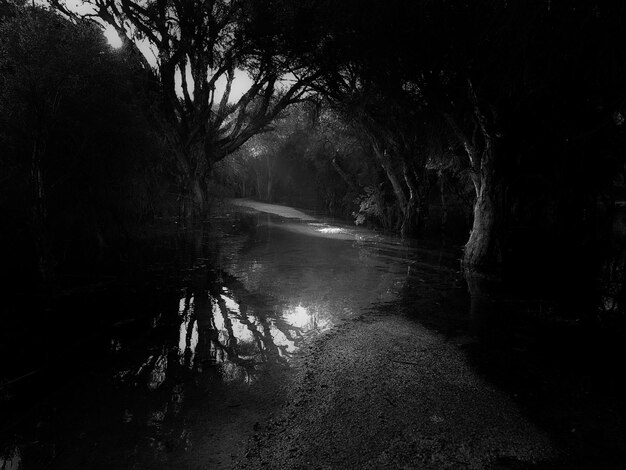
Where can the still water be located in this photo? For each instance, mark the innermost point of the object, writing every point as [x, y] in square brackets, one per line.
[175, 365]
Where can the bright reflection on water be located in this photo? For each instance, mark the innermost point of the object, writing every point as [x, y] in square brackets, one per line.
[307, 319]
[297, 316]
[331, 230]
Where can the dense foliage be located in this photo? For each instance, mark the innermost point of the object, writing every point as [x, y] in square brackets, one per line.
[79, 165]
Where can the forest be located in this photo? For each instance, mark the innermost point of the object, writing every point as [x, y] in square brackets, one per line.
[499, 119]
[492, 129]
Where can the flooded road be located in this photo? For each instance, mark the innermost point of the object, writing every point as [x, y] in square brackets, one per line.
[276, 338]
[177, 371]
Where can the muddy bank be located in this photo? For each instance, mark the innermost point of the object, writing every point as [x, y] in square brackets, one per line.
[384, 392]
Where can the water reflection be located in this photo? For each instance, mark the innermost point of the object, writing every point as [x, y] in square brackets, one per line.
[265, 295]
[217, 331]
[157, 375]
[257, 289]
[308, 319]
[11, 459]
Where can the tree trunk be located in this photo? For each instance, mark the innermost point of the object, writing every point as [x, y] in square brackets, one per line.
[408, 227]
[417, 208]
[398, 190]
[410, 216]
[193, 199]
[193, 170]
[483, 248]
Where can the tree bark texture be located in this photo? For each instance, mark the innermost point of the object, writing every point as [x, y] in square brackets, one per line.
[484, 249]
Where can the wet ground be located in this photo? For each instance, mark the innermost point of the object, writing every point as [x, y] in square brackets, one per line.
[275, 338]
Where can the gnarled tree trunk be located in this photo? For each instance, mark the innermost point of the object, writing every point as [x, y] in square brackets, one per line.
[484, 247]
[396, 184]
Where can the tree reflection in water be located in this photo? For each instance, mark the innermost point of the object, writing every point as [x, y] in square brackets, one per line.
[11, 458]
[194, 357]
[236, 340]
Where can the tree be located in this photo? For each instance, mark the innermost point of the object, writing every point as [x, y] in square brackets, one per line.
[77, 160]
[191, 53]
[484, 84]
[43, 60]
[519, 85]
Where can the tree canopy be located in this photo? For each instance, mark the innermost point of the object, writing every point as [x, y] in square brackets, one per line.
[191, 54]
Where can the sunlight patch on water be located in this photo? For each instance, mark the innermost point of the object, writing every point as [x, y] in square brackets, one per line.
[307, 319]
[298, 316]
[315, 230]
[331, 230]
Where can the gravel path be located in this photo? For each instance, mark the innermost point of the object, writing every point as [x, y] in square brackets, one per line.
[384, 392]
